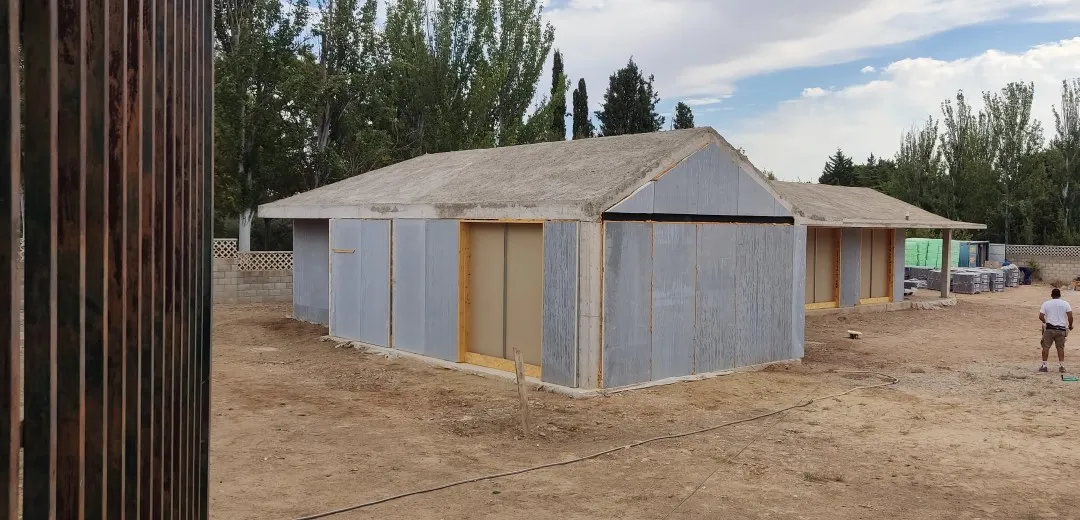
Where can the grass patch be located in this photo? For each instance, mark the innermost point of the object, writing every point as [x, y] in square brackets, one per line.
[821, 478]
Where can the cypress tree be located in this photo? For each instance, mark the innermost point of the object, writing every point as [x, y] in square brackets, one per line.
[558, 99]
[583, 126]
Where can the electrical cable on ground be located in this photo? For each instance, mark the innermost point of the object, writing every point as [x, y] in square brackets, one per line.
[732, 458]
[892, 381]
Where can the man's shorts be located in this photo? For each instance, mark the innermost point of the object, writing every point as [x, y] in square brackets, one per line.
[1054, 337]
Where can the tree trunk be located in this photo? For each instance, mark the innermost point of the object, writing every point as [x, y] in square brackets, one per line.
[244, 242]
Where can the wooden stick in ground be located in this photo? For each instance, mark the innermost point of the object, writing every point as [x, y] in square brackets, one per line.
[519, 370]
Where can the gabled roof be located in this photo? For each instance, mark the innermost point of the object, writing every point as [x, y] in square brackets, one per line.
[580, 180]
[573, 180]
[843, 206]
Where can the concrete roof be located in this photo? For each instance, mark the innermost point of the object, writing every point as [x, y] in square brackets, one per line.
[573, 180]
[843, 206]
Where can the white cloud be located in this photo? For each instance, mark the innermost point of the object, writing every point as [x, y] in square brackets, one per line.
[796, 137]
[700, 48]
[868, 70]
[814, 92]
[704, 101]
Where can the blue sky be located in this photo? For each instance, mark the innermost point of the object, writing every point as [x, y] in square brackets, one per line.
[792, 80]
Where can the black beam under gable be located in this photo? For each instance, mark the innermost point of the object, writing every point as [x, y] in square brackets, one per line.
[709, 219]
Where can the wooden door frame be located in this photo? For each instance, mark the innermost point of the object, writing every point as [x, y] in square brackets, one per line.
[837, 244]
[890, 270]
[465, 301]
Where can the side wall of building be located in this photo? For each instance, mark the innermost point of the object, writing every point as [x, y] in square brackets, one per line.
[311, 271]
[689, 298]
[418, 311]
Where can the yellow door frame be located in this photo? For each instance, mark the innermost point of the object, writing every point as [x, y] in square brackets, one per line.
[465, 303]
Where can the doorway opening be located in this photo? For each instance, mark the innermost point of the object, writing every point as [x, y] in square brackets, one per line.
[502, 294]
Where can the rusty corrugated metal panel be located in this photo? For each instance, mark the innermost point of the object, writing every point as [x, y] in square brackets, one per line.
[117, 151]
[9, 246]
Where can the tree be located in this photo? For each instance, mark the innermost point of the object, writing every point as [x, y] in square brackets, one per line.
[1016, 136]
[967, 151]
[684, 117]
[257, 48]
[559, 86]
[629, 104]
[583, 126]
[839, 170]
[1066, 176]
[342, 91]
[918, 168]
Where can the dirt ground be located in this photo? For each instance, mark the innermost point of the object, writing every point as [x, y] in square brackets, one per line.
[970, 432]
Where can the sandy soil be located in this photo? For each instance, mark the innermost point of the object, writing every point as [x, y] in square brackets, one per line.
[970, 432]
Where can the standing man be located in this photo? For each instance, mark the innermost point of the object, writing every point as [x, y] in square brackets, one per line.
[1057, 317]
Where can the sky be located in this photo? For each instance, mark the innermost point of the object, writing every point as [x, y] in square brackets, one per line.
[790, 81]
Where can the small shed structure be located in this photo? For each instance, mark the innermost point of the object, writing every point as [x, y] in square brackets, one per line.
[608, 262]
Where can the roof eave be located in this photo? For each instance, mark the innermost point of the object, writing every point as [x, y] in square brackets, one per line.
[428, 211]
[889, 224]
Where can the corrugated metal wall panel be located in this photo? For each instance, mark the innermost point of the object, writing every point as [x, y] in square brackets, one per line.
[311, 271]
[850, 267]
[627, 287]
[898, 264]
[751, 287]
[781, 240]
[714, 328]
[779, 210]
[798, 284]
[441, 289]
[754, 199]
[346, 243]
[706, 183]
[409, 273]
[673, 296]
[374, 252]
[360, 266]
[559, 364]
[641, 201]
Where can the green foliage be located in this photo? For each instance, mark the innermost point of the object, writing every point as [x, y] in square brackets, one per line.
[990, 166]
[839, 170]
[583, 125]
[629, 104]
[300, 104]
[559, 85]
[684, 117]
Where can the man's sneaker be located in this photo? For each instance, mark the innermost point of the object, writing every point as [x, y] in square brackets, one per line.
[1044, 369]
[1061, 369]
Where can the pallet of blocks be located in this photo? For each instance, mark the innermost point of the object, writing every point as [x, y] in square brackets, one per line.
[997, 279]
[933, 279]
[1012, 275]
[919, 273]
[968, 282]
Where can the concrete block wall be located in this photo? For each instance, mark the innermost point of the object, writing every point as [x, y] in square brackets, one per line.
[1059, 264]
[234, 286]
[1054, 269]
